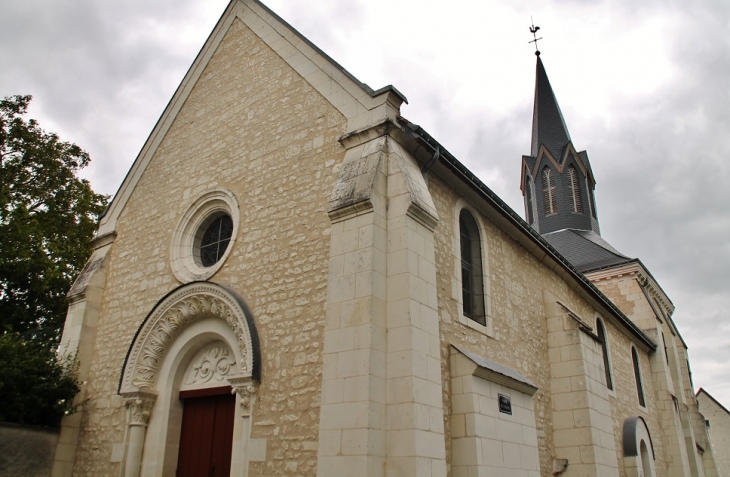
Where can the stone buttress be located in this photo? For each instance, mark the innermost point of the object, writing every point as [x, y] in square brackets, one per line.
[382, 408]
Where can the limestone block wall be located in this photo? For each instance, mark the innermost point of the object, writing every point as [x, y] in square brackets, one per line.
[519, 326]
[719, 431]
[485, 440]
[582, 421]
[624, 401]
[705, 455]
[672, 397]
[352, 421]
[626, 293]
[253, 126]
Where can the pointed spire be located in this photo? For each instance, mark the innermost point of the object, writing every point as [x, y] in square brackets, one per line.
[548, 125]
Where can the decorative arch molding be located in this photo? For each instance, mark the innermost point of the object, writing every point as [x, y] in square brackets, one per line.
[637, 460]
[177, 310]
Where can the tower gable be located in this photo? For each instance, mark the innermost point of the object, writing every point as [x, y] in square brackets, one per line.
[573, 204]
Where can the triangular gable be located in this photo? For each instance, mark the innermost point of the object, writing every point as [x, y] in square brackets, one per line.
[568, 150]
[355, 100]
[541, 154]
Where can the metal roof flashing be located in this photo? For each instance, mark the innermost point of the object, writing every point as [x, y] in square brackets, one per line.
[497, 373]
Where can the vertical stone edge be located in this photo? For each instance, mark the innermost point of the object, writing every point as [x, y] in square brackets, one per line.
[77, 342]
[583, 426]
[415, 412]
[352, 413]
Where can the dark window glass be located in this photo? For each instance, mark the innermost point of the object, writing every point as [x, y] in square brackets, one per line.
[472, 281]
[637, 376]
[666, 352]
[215, 240]
[604, 346]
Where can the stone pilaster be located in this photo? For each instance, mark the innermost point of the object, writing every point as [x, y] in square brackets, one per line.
[415, 416]
[352, 415]
[583, 426]
[77, 341]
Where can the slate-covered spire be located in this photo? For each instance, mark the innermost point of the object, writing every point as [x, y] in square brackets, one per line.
[548, 125]
[558, 190]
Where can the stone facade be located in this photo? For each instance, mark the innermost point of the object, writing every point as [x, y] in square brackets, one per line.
[338, 303]
[717, 420]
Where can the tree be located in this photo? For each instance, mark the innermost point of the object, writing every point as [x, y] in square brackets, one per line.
[47, 219]
[37, 385]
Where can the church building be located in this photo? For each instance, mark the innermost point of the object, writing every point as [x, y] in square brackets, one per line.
[293, 279]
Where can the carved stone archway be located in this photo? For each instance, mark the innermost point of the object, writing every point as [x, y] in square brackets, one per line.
[170, 333]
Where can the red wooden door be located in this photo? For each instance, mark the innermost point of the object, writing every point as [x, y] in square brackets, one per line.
[206, 436]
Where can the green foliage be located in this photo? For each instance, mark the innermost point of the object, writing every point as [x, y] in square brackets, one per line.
[47, 219]
[36, 386]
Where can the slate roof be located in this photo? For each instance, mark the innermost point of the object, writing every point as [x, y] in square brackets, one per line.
[585, 249]
[548, 125]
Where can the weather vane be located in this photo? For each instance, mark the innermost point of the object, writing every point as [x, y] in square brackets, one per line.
[533, 30]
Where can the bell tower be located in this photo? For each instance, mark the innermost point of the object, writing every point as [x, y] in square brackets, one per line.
[557, 182]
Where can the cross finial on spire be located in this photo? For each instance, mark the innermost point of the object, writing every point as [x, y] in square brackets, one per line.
[533, 30]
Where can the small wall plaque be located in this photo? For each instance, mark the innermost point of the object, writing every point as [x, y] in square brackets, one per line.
[505, 404]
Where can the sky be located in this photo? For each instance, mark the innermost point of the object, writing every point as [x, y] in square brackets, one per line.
[642, 85]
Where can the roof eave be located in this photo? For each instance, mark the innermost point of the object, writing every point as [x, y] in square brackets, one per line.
[521, 231]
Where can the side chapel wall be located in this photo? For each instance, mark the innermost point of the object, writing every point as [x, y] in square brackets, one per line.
[517, 281]
[254, 126]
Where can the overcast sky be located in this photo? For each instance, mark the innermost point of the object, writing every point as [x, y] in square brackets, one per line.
[643, 87]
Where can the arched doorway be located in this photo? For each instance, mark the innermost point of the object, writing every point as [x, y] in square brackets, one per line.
[196, 347]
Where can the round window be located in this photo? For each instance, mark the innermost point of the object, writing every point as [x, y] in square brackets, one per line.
[216, 236]
[204, 237]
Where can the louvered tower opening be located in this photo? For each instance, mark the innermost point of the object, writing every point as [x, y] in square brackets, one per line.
[576, 204]
[548, 192]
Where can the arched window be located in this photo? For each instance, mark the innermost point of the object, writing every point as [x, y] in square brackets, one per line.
[472, 282]
[529, 200]
[548, 191]
[601, 331]
[637, 377]
[576, 204]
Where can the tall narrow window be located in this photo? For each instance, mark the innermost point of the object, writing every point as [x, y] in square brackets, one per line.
[548, 191]
[472, 282]
[604, 347]
[528, 198]
[666, 351]
[637, 376]
[576, 204]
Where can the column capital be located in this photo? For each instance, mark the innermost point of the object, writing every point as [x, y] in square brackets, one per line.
[139, 404]
[245, 386]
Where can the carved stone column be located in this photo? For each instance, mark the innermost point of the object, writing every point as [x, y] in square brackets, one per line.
[139, 405]
[244, 386]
